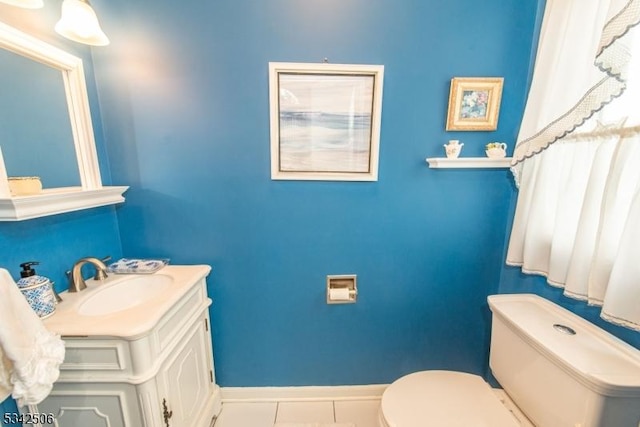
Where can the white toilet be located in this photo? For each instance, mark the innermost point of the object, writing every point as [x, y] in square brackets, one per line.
[558, 369]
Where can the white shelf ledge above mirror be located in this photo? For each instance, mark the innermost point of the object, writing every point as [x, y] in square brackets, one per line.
[469, 162]
[58, 200]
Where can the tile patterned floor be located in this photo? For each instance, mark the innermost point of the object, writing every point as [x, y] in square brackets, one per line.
[363, 413]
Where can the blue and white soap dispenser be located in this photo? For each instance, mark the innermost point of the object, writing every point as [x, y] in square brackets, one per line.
[38, 290]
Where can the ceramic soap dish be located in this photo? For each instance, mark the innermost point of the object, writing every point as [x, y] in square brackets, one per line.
[137, 266]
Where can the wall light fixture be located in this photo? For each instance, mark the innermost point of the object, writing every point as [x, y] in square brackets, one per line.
[80, 23]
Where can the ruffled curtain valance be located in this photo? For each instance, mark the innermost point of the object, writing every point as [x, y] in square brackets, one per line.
[581, 66]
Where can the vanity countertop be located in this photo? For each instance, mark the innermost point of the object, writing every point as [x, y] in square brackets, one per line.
[128, 323]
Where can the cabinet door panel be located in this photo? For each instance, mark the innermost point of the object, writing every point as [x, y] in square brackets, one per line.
[186, 378]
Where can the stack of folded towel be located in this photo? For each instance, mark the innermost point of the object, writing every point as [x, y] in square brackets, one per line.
[30, 355]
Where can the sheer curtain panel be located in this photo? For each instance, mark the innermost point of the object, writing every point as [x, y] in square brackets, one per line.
[577, 160]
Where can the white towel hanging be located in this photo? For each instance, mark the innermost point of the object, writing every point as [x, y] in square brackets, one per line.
[30, 355]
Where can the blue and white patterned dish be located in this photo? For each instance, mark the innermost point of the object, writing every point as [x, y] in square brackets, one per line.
[136, 266]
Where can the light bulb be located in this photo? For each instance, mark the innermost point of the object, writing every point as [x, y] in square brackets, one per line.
[80, 24]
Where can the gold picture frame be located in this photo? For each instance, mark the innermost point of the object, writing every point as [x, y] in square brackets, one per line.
[474, 103]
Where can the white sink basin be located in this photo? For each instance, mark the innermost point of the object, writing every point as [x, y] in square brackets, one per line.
[126, 305]
[123, 294]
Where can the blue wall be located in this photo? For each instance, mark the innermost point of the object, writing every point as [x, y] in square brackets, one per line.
[184, 101]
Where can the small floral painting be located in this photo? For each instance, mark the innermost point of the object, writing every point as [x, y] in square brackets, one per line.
[474, 103]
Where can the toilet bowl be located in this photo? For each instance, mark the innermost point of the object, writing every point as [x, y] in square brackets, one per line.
[556, 370]
[443, 398]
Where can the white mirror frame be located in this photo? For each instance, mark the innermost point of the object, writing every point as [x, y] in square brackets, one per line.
[52, 201]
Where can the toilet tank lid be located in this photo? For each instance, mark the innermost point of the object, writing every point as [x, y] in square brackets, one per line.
[593, 356]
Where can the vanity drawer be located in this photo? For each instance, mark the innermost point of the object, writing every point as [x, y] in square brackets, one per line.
[90, 357]
[73, 405]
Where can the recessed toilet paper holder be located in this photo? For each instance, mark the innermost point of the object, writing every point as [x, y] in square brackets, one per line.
[342, 289]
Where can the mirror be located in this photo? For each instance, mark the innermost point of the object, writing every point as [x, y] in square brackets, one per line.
[35, 129]
[46, 128]
[46, 131]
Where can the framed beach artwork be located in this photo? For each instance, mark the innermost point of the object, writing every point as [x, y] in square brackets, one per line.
[474, 103]
[325, 121]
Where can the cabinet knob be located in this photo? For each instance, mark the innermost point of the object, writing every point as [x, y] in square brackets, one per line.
[166, 413]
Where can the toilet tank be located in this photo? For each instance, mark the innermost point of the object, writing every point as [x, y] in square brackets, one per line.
[560, 369]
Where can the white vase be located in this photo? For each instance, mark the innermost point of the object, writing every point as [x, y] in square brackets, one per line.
[453, 148]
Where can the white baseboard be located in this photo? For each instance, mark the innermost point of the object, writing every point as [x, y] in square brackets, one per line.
[304, 393]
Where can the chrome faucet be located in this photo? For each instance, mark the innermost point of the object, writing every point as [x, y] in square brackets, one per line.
[77, 283]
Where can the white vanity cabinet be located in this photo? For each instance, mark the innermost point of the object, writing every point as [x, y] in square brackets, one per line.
[162, 376]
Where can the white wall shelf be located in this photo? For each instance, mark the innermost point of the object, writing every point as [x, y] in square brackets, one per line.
[59, 200]
[469, 162]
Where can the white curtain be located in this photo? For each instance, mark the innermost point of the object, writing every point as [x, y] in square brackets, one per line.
[577, 160]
